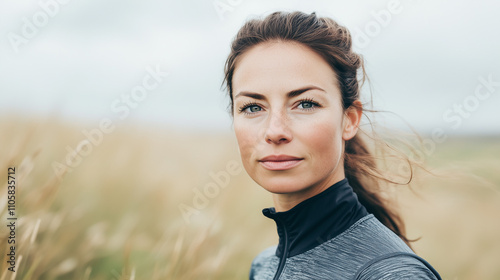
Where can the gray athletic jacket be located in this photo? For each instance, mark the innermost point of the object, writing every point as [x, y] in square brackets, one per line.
[331, 236]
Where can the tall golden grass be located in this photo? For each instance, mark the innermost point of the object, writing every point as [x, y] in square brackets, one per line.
[116, 214]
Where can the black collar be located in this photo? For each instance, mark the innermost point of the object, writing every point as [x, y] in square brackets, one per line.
[316, 219]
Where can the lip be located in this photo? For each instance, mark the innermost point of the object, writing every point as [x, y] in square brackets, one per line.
[280, 162]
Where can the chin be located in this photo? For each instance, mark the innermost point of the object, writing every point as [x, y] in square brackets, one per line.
[281, 185]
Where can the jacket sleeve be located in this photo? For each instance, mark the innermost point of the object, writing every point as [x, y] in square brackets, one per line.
[256, 266]
[264, 265]
[398, 266]
[252, 270]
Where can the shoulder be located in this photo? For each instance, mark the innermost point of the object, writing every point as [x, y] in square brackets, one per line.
[264, 256]
[264, 263]
[386, 255]
[397, 266]
[380, 254]
[368, 237]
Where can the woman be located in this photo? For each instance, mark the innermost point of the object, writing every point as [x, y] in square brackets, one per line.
[294, 90]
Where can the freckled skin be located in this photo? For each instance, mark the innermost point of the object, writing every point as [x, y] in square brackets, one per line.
[279, 124]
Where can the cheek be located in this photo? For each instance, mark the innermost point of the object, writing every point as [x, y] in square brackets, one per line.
[325, 141]
[246, 141]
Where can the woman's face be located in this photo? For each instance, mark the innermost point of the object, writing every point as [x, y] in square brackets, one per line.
[288, 118]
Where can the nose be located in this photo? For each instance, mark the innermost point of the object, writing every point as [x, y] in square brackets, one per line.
[278, 130]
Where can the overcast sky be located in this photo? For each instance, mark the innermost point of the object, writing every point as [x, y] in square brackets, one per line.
[436, 64]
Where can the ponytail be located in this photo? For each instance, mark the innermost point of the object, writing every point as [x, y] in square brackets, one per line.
[361, 171]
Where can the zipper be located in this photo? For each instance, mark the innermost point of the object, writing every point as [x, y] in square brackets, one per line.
[281, 264]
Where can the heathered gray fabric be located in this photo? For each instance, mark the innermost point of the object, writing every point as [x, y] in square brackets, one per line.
[365, 249]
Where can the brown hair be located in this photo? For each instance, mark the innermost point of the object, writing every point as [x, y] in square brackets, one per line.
[333, 42]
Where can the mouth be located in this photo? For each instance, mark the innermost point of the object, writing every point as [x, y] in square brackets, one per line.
[280, 162]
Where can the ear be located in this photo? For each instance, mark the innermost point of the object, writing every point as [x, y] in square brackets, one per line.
[352, 118]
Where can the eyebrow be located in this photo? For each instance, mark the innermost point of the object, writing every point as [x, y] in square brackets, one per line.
[293, 93]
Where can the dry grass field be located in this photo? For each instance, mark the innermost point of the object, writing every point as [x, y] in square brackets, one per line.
[150, 203]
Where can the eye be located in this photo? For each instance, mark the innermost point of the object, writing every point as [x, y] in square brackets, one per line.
[254, 108]
[249, 108]
[307, 104]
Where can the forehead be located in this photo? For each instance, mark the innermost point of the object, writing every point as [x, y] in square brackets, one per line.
[281, 66]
